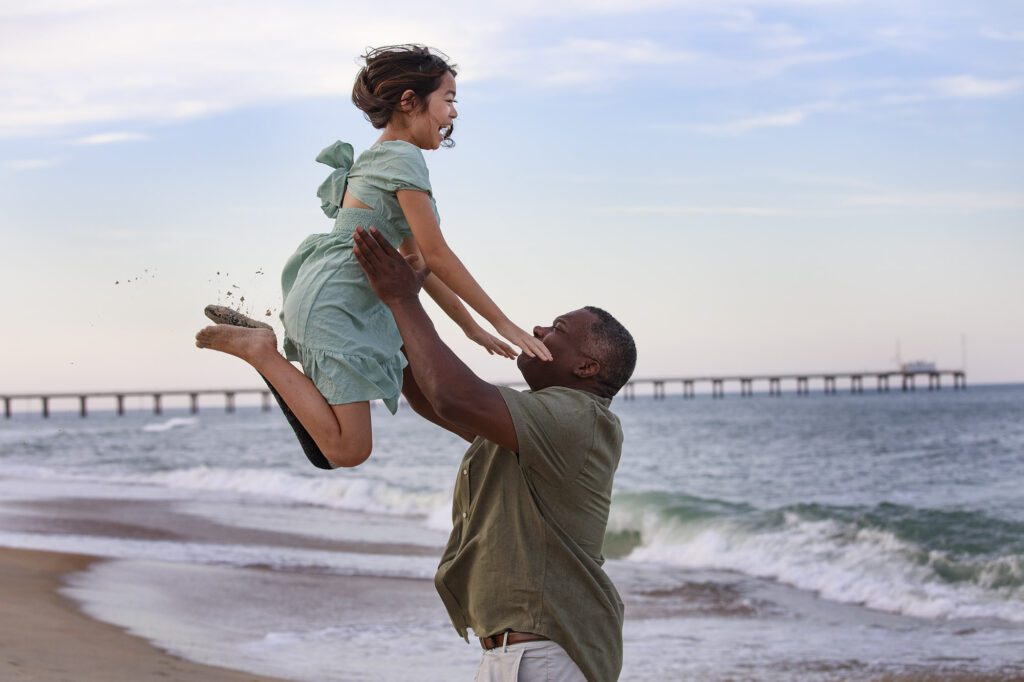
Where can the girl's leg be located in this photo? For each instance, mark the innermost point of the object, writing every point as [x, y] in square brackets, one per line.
[309, 446]
[342, 433]
[224, 315]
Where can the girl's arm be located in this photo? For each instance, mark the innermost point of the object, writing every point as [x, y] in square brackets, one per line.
[452, 306]
[443, 262]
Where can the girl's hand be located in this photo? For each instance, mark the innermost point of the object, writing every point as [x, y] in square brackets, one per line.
[493, 344]
[529, 343]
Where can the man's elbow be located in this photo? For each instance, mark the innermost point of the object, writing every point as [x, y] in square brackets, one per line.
[452, 406]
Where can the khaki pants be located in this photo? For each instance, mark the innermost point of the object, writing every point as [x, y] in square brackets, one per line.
[542, 661]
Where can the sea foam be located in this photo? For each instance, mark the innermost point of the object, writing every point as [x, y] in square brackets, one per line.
[173, 423]
[276, 557]
[337, 492]
[839, 560]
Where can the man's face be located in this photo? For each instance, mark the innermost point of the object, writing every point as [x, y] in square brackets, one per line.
[565, 338]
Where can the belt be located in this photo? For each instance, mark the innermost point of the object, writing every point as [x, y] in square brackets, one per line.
[494, 641]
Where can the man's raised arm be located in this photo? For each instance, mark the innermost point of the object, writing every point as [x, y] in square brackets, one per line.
[456, 394]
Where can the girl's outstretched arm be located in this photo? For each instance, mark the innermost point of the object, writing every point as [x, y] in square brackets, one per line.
[452, 306]
[443, 263]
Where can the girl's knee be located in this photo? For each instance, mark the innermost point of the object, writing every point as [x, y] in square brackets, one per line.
[349, 454]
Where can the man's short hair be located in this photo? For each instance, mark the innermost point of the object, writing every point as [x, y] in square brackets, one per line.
[612, 346]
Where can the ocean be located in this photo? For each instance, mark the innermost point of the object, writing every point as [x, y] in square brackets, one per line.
[845, 537]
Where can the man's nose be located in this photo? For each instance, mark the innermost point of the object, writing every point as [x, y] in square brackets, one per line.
[539, 331]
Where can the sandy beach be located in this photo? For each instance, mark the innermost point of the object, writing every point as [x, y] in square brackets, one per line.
[44, 636]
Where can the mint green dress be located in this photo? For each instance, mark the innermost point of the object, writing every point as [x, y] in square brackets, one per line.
[335, 326]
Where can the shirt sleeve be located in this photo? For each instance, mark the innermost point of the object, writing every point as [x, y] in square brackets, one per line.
[555, 430]
[405, 168]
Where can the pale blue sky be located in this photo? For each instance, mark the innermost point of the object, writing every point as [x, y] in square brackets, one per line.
[749, 186]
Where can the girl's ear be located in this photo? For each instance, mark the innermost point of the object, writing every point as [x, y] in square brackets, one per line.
[408, 102]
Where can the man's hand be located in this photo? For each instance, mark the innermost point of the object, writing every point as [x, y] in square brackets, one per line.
[389, 274]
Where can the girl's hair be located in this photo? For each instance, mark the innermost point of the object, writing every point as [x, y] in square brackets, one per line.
[390, 71]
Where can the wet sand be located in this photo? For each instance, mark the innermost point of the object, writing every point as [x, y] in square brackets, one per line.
[44, 636]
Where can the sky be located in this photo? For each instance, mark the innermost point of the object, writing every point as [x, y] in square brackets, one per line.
[749, 186]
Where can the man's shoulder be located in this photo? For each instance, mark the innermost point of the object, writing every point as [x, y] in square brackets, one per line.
[560, 406]
[557, 395]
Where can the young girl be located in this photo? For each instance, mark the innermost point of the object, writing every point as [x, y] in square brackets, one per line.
[335, 326]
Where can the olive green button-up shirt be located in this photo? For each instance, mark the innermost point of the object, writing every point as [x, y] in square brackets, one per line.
[525, 550]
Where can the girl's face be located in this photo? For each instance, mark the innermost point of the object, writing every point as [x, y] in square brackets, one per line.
[429, 125]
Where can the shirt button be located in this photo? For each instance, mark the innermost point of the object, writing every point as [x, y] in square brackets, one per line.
[464, 514]
[465, 472]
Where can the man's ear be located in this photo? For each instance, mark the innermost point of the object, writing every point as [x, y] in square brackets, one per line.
[587, 368]
[408, 101]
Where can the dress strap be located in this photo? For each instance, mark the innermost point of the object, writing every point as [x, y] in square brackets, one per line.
[332, 190]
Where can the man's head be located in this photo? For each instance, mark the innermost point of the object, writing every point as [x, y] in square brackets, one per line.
[592, 351]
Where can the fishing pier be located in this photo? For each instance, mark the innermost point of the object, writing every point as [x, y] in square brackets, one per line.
[800, 384]
[119, 397]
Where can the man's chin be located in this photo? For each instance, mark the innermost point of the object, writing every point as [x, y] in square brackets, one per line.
[526, 365]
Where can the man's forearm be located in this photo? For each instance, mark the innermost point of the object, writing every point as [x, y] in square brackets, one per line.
[441, 376]
[421, 406]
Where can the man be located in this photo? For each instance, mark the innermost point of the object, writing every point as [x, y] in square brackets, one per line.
[522, 567]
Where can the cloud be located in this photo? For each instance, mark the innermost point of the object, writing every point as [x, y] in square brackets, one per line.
[1003, 36]
[782, 119]
[66, 65]
[584, 61]
[786, 119]
[972, 87]
[110, 138]
[959, 201]
[904, 37]
[768, 34]
[30, 164]
[703, 209]
[69, 64]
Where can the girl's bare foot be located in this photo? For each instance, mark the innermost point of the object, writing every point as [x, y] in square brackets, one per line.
[224, 315]
[242, 342]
